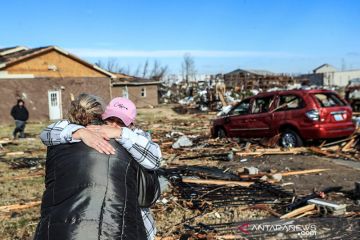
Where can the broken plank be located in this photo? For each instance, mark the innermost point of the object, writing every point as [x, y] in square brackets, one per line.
[348, 146]
[15, 153]
[339, 141]
[275, 151]
[16, 207]
[217, 182]
[299, 211]
[308, 213]
[286, 173]
[304, 172]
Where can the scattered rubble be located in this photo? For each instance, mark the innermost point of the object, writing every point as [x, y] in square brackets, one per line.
[183, 141]
[212, 187]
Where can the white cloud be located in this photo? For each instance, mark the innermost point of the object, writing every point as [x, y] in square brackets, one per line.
[87, 52]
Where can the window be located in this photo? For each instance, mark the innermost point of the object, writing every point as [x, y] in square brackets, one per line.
[53, 99]
[143, 92]
[328, 100]
[242, 108]
[262, 105]
[290, 102]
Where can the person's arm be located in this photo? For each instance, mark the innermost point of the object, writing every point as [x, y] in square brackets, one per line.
[27, 114]
[13, 114]
[59, 133]
[141, 147]
[64, 132]
[137, 142]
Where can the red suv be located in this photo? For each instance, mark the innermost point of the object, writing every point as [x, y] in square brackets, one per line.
[298, 115]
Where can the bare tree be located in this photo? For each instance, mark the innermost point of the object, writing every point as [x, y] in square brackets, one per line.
[145, 69]
[155, 68]
[137, 71]
[158, 71]
[188, 67]
[110, 65]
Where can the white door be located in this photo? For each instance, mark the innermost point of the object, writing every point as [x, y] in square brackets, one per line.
[54, 98]
[125, 92]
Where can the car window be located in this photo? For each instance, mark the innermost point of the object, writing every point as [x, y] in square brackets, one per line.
[262, 105]
[328, 100]
[290, 102]
[242, 108]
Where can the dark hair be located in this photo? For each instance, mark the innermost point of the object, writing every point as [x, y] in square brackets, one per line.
[20, 101]
[116, 120]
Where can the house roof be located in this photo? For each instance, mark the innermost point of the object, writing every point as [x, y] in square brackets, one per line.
[133, 81]
[13, 55]
[251, 71]
[122, 79]
[324, 65]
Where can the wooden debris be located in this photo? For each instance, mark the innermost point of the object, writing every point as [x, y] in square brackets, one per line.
[285, 174]
[15, 153]
[304, 172]
[272, 151]
[217, 182]
[349, 146]
[313, 212]
[16, 207]
[299, 211]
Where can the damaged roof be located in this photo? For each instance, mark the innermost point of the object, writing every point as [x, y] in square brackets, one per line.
[134, 81]
[13, 55]
[251, 71]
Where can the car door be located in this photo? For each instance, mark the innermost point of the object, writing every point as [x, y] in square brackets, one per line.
[289, 110]
[236, 121]
[260, 119]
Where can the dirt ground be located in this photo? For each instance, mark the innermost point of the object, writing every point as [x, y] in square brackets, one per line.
[21, 183]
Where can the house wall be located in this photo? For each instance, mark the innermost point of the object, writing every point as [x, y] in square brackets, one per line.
[343, 78]
[151, 97]
[35, 94]
[340, 79]
[314, 79]
[66, 67]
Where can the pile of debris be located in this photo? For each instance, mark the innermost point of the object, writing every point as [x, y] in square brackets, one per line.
[195, 166]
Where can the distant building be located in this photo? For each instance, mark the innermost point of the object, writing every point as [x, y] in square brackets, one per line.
[328, 75]
[143, 92]
[245, 79]
[47, 78]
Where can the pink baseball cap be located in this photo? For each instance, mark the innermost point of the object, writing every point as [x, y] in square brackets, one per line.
[121, 108]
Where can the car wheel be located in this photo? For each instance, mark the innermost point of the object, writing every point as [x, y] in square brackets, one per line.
[221, 133]
[290, 138]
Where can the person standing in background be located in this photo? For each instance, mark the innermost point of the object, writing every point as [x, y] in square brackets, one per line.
[20, 115]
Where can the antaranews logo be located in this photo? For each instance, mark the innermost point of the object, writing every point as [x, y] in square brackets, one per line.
[302, 230]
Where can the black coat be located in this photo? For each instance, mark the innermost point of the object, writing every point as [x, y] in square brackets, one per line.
[90, 195]
[20, 113]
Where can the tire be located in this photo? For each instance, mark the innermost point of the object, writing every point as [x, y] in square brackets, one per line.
[220, 133]
[289, 138]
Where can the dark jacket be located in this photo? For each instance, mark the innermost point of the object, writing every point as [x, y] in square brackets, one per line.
[90, 195]
[20, 113]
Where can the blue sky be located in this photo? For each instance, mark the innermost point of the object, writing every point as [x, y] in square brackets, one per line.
[278, 35]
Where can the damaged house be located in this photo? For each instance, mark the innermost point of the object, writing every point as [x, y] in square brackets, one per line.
[143, 92]
[246, 80]
[47, 79]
